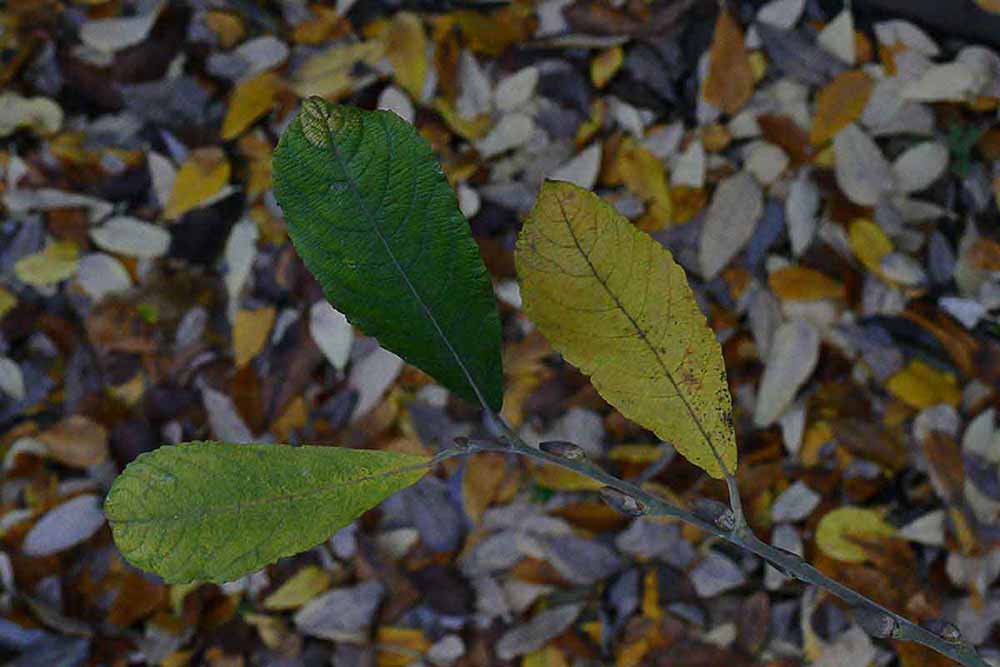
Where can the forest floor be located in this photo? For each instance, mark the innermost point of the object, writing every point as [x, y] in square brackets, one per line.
[829, 177]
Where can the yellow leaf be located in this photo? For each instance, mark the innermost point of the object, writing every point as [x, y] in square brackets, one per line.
[839, 104]
[330, 73]
[836, 528]
[7, 302]
[547, 656]
[869, 244]
[406, 48]
[730, 79]
[250, 330]
[490, 33]
[644, 175]
[56, 263]
[921, 386]
[398, 647]
[250, 100]
[303, 586]
[561, 479]
[605, 65]
[797, 283]
[467, 128]
[990, 5]
[615, 303]
[201, 177]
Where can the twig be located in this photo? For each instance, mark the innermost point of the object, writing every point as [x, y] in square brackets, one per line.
[872, 617]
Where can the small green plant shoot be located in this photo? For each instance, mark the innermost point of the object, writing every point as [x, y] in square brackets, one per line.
[371, 214]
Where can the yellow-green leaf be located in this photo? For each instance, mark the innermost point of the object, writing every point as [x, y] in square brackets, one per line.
[211, 511]
[615, 303]
[56, 263]
[836, 528]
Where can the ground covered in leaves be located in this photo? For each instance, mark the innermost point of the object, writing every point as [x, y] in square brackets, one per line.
[827, 176]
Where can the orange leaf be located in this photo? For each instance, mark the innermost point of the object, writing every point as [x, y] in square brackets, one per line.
[796, 283]
[840, 104]
[730, 79]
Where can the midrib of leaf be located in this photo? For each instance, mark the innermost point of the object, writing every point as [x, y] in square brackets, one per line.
[237, 507]
[369, 214]
[643, 337]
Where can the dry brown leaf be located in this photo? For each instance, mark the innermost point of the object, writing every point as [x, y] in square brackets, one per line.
[77, 441]
[839, 104]
[730, 81]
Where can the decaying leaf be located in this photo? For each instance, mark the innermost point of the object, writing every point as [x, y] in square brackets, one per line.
[862, 171]
[589, 281]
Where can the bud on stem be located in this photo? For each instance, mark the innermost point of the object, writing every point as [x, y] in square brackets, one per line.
[622, 502]
[563, 449]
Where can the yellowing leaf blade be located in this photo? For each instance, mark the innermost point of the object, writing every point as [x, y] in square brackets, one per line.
[617, 306]
[840, 104]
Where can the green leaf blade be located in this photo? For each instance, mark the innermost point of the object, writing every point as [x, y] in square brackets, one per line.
[208, 511]
[374, 219]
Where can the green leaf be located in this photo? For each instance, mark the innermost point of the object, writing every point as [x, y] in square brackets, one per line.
[615, 303]
[371, 214]
[209, 511]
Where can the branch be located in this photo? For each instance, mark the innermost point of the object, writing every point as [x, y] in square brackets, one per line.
[724, 524]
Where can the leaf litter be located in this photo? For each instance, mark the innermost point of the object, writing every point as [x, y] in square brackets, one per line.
[826, 179]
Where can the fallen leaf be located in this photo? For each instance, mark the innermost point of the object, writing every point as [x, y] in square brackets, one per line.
[250, 99]
[644, 175]
[76, 441]
[838, 38]
[64, 526]
[299, 589]
[791, 360]
[797, 283]
[839, 104]
[330, 73]
[920, 166]
[56, 263]
[114, 34]
[200, 178]
[949, 82]
[730, 81]
[11, 379]
[7, 301]
[737, 205]
[837, 527]
[406, 49]
[250, 332]
[920, 386]
[332, 333]
[869, 244]
[605, 65]
[124, 235]
[40, 114]
[863, 173]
